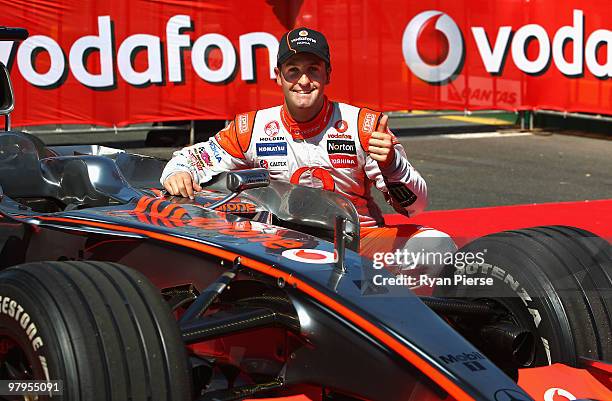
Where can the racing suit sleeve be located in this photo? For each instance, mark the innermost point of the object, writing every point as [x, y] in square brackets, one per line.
[402, 185]
[204, 160]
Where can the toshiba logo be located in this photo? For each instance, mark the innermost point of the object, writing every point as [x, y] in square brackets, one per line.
[343, 161]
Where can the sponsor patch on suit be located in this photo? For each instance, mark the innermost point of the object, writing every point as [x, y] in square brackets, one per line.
[343, 161]
[274, 164]
[339, 146]
[271, 149]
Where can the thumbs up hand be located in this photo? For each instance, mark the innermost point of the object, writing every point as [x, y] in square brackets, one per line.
[381, 144]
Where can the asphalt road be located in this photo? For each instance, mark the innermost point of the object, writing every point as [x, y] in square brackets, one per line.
[474, 170]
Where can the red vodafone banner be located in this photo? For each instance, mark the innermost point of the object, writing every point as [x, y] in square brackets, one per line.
[116, 62]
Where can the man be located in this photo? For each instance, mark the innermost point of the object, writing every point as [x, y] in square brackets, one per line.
[312, 141]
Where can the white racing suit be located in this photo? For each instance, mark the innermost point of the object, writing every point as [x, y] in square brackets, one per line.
[329, 152]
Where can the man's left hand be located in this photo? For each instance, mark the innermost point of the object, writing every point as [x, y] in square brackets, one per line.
[380, 146]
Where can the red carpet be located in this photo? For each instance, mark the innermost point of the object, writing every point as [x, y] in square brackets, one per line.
[466, 224]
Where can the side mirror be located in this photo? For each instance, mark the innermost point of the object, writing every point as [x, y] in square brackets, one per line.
[7, 101]
[238, 181]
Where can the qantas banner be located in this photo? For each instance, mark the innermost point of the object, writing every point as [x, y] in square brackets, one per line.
[116, 62]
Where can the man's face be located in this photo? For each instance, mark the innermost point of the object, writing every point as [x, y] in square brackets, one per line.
[303, 78]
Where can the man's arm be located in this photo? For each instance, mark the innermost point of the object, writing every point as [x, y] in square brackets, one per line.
[387, 165]
[197, 164]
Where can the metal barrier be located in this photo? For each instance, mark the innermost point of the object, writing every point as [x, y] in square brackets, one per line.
[526, 121]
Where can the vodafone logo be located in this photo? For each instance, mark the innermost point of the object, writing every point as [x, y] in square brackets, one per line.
[418, 42]
[314, 256]
[558, 394]
[434, 49]
[341, 126]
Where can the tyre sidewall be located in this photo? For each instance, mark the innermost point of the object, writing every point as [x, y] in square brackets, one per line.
[42, 349]
[523, 290]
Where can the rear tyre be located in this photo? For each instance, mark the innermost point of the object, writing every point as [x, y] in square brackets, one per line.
[101, 328]
[555, 281]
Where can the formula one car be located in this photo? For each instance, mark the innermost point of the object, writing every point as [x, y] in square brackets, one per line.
[255, 289]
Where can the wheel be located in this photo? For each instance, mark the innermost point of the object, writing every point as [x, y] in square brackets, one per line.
[101, 328]
[554, 281]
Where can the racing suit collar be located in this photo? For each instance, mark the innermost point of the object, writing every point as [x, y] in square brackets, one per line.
[305, 130]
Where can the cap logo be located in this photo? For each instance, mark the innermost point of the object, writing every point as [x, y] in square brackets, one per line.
[303, 33]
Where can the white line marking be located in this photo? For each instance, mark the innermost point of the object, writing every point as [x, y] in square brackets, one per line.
[478, 135]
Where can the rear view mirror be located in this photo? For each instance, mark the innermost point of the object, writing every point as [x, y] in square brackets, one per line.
[238, 181]
[7, 102]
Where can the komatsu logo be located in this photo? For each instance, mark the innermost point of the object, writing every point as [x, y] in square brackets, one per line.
[272, 149]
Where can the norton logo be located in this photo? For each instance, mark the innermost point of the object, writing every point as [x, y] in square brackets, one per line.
[309, 256]
[433, 46]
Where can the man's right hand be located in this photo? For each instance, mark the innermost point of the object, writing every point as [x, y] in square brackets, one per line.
[181, 183]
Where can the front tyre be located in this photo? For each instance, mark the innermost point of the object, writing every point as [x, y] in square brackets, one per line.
[554, 281]
[101, 328]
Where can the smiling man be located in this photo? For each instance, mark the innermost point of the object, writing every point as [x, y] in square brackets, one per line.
[312, 141]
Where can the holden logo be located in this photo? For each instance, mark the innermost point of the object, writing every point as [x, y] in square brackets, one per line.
[303, 33]
[272, 128]
[433, 46]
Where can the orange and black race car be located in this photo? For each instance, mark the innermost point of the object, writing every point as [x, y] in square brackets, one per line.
[110, 290]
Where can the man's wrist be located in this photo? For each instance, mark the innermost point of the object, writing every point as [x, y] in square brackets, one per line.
[391, 165]
[175, 172]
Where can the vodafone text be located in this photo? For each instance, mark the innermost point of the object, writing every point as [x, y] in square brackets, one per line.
[176, 42]
[167, 50]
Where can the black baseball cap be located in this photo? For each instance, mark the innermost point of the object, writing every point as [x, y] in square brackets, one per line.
[300, 40]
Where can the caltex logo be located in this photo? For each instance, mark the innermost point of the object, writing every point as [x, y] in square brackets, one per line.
[433, 53]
